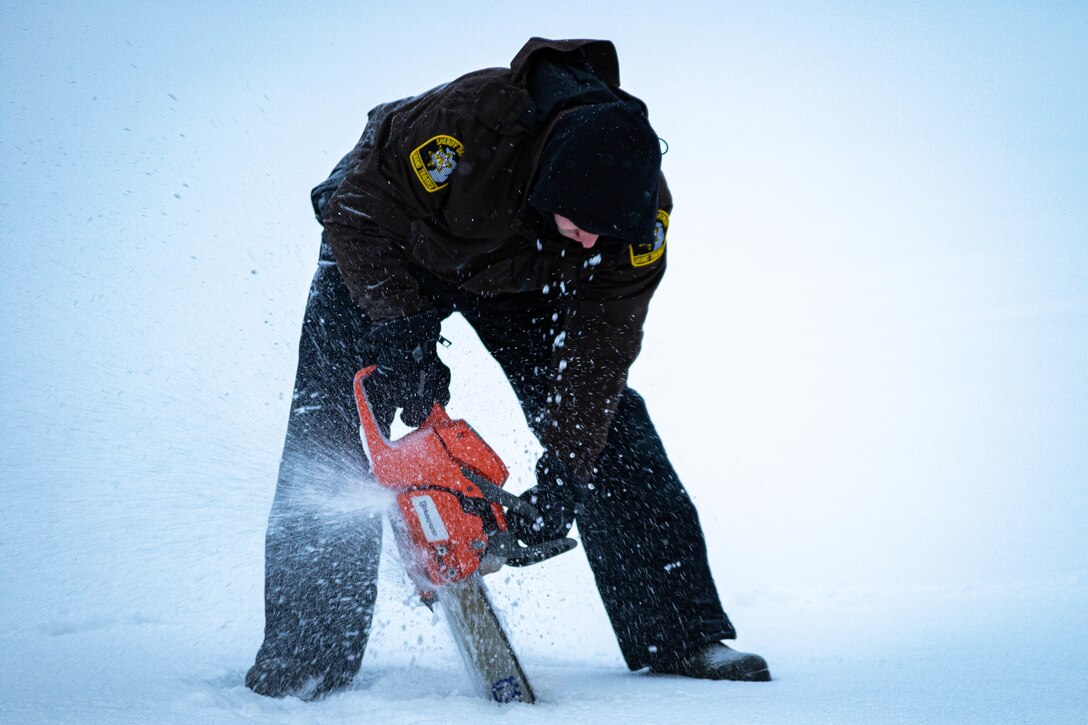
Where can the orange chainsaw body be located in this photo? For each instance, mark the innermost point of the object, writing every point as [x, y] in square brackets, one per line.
[446, 518]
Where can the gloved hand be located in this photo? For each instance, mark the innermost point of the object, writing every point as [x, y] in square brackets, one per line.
[555, 496]
[410, 374]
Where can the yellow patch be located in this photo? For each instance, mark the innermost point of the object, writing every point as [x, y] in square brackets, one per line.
[644, 254]
[435, 160]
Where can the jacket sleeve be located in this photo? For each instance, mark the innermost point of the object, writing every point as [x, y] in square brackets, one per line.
[375, 272]
[602, 339]
[370, 219]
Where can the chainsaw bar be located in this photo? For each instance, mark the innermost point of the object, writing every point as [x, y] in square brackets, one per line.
[488, 656]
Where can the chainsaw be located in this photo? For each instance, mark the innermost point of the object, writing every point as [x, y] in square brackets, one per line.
[450, 529]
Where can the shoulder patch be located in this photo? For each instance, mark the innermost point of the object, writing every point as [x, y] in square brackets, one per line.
[435, 160]
[644, 254]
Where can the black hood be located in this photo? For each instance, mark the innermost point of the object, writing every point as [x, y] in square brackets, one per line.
[600, 168]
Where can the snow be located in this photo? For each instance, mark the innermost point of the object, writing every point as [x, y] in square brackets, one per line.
[867, 360]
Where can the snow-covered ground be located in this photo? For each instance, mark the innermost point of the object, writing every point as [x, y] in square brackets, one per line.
[867, 361]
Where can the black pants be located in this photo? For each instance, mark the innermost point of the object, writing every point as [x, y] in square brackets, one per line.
[638, 526]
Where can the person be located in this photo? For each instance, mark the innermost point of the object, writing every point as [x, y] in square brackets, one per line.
[530, 200]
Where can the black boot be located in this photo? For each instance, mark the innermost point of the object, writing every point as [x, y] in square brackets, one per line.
[286, 677]
[716, 661]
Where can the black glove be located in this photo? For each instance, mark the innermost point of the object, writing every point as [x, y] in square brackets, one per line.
[410, 375]
[555, 496]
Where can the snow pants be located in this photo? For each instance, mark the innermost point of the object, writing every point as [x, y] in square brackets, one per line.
[639, 529]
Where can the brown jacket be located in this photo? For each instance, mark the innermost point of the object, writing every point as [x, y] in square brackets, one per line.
[438, 185]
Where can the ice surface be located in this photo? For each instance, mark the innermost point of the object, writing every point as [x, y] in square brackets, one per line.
[867, 359]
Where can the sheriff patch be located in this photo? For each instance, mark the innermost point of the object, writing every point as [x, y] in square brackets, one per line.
[644, 254]
[435, 161]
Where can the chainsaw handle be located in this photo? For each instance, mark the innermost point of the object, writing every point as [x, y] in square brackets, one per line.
[510, 551]
[437, 417]
[375, 440]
